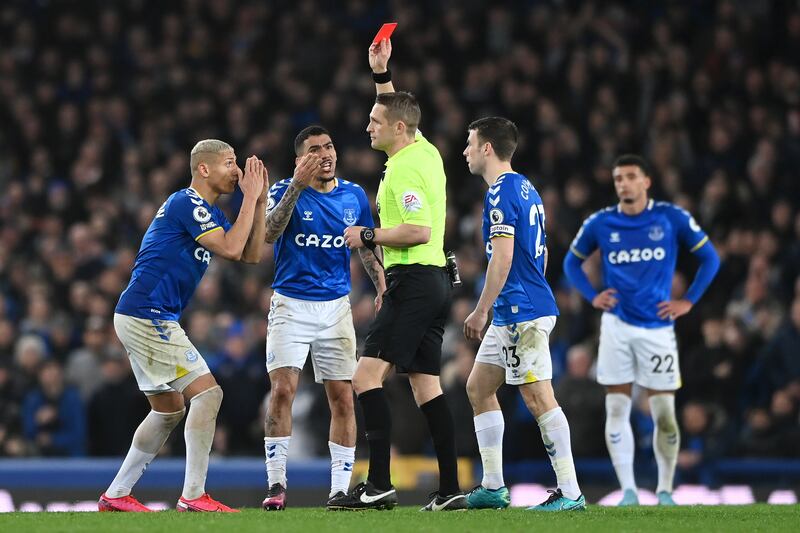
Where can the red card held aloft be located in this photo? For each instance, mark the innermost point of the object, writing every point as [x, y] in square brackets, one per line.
[385, 32]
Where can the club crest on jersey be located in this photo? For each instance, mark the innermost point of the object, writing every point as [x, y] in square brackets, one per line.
[349, 216]
[201, 214]
[411, 201]
[656, 233]
[192, 355]
[614, 237]
[308, 215]
[495, 216]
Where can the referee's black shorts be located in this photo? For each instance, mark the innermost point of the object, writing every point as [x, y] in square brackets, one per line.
[408, 329]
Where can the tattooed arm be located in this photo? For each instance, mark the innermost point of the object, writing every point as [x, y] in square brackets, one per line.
[278, 218]
[375, 272]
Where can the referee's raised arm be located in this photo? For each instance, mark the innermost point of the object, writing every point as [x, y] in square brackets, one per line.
[379, 54]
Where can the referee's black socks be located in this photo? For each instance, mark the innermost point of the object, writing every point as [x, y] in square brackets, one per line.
[443, 431]
[378, 424]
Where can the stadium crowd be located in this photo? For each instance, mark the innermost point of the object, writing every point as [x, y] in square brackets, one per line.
[99, 108]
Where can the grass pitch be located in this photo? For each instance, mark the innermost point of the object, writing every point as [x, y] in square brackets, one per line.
[698, 518]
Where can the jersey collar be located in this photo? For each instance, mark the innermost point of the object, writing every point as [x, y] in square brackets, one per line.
[336, 183]
[197, 193]
[649, 207]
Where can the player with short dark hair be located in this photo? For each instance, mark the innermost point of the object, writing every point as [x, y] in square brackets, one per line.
[500, 132]
[515, 349]
[176, 250]
[639, 240]
[407, 332]
[310, 308]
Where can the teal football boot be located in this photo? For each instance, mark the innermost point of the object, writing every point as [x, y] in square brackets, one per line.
[558, 502]
[482, 498]
[629, 498]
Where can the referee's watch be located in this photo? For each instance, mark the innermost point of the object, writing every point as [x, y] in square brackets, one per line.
[368, 237]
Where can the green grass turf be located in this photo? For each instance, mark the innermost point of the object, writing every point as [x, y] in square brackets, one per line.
[698, 519]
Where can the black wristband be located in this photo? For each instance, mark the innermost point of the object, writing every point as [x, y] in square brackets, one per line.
[383, 77]
[368, 237]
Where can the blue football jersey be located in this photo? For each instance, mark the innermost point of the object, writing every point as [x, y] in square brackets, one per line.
[513, 208]
[170, 262]
[312, 261]
[639, 255]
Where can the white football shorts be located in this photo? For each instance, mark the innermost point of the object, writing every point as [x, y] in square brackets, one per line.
[632, 354]
[162, 357]
[523, 349]
[323, 329]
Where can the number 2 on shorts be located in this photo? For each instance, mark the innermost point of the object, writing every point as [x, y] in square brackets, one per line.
[667, 360]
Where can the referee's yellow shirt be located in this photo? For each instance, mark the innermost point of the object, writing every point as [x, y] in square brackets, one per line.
[413, 191]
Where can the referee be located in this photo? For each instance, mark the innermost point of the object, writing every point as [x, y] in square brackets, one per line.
[407, 332]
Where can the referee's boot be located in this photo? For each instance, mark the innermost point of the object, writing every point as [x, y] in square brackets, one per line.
[453, 502]
[364, 496]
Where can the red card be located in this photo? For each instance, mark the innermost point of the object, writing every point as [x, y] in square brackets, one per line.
[385, 32]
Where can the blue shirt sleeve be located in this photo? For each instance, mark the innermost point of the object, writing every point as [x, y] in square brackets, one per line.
[577, 277]
[501, 212]
[220, 217]
[192, 214]
[692, 236]
[366, 212]
[689, 232]
[585, 242]
[709, 265]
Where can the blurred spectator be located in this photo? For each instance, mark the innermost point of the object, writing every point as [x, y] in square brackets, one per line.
[83, 368]
[714, 371]
[583, 402]
[52, 415]
[781, 356]
[454, 384]
[115, 409]
[11, 442]
[29, 353]
[242, 374]
[705, 436]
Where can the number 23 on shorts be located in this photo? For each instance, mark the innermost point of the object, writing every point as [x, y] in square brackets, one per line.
[510, 355]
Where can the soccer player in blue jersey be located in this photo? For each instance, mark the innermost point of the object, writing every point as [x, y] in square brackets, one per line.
[187, 231]
[515, 348]
[310, 308]
[638, 241]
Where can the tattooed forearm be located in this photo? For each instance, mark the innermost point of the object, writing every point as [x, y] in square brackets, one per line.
[373, 268]
[278, 218]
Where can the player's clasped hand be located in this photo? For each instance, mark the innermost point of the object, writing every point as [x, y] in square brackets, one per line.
[252, 182]
[264, 185]
[352, 237]
[672, 309]
[475, 324]
[306, 170]
[606, 300]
